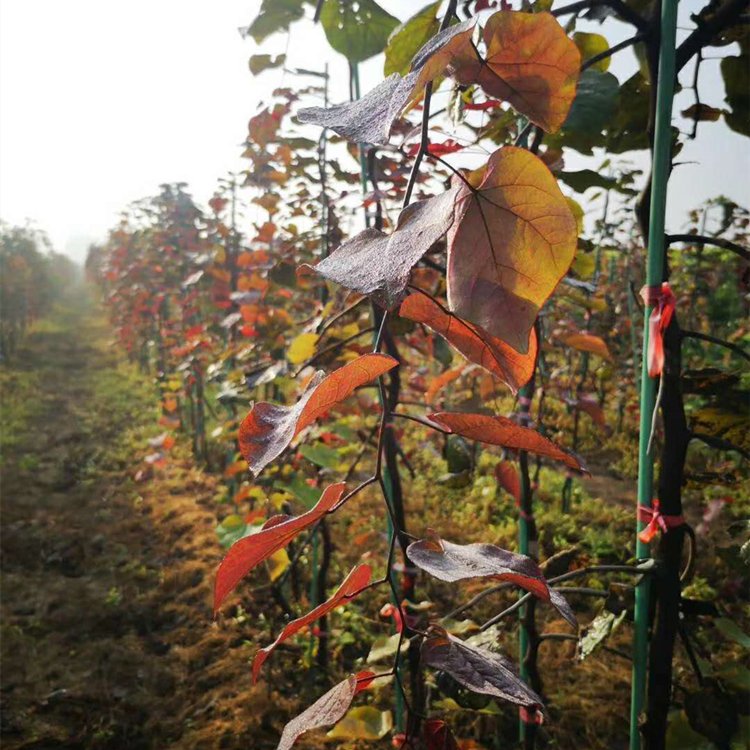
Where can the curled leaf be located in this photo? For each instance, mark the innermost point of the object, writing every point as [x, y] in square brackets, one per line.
[504, 432]
[277, 532]
[513, 240]
[476, 344]
[457, 562]
[268, 429]
[379, 264]
[370, 119]
[352, 585]
[477, 669]
[508, 478]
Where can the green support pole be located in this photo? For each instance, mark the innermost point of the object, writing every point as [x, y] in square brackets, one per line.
[399, 698]
[654, 275]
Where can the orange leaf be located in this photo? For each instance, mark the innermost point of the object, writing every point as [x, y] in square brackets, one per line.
[512, 242]
[278, 531]
[507, 477]
[237, 467]
[437, 384]
[531, 63]
[268, 429]
[504, 432]
[352, 585]
[473, 342]
[586, 342]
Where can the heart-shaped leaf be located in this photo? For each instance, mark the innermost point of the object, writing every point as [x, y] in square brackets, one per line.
[513, 241]
[473, 342]
[277, 532]
[352, 585]
[268, 429]
[530, 63]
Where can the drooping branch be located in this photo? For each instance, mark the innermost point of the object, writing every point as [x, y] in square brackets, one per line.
[719, 443]
[707, 28]
[715, 340]
[699, 239]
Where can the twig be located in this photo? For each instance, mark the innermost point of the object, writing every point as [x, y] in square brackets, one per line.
[699, 239]
[586, 64]
[714, 340]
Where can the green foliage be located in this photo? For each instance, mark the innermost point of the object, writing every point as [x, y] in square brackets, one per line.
[358, 30]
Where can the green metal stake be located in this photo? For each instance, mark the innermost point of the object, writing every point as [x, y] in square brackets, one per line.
[399, 699]
[654, 276]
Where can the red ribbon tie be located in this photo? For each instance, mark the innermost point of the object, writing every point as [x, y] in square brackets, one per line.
[663, 301]
[656, 521]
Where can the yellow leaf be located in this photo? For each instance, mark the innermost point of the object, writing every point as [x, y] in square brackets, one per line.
[302, 348]
[363, 723]
[590, 45]
[277, 564]
[584, 264]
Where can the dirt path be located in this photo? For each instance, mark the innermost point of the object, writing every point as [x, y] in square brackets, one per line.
[107, 638]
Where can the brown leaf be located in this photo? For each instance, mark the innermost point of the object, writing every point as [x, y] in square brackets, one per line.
[504, 432]
[530, 63]
[477, 669]
[327, 710]
[268, 429]
[378, 264]
[352, 585]
[476, 344]
[512, 242]
[457, 562]
[277, 532]
[370, 119]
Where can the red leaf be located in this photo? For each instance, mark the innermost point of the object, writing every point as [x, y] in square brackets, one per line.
[477, 669]
[507, 477]
[268, 429]
[352, 585]
[457, 562]
[327, 710]
[476, 344]
[438, 736]
[504, 432]
[245, 554]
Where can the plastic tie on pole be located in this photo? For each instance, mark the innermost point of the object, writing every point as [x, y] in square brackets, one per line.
[657, 521]
[662, 299]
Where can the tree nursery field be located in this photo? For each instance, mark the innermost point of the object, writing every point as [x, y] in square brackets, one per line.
[445, 447]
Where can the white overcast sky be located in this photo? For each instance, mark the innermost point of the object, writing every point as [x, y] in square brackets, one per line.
[100, 102]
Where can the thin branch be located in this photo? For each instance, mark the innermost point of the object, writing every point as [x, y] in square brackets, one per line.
[424, 141]
[714, 340]
[719, 443]
[332, 348]
[699, 239]
[612, 50]
[318, 10]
